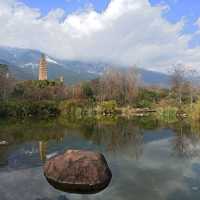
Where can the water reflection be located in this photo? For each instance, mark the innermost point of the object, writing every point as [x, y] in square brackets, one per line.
[117, 137]
[43, 150]
[61, 197]
[3, 157]
[122, 136]
[148, 160]
[113, 137]
[186, 142]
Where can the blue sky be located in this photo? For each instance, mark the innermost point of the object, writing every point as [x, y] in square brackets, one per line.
[189, 9]
[68, 5]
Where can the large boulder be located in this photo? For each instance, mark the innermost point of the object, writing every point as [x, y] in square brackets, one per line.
[78, 171]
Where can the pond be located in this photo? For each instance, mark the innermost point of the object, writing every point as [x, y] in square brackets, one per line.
[148, 160]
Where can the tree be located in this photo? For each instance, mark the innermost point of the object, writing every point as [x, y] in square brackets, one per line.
[177, 82]
[40, 90]
[119, 84]
[87, 90]
[6, 82]
[191, 73]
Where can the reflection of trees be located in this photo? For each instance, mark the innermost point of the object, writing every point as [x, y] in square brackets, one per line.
[147, 123]
[116, 137]
[32, 131]
[186, 143]
[27, 132]
[43, 150]
[3, 156]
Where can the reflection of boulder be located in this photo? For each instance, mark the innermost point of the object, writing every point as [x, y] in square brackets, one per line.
[78, 172]
[3, 156]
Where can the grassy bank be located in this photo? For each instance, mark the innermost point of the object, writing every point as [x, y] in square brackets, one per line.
[27, 109]
[105, 110]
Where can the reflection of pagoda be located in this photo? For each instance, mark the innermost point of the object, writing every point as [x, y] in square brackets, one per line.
[43, 68]
[42, 150]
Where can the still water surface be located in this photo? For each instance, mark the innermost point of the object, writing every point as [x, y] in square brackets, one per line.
[148, 161]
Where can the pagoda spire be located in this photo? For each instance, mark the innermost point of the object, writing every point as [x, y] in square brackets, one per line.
[43, 68]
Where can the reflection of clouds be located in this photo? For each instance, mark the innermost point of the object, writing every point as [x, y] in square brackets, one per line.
[187, 146]
[25, 156]
[25, 184]
[159, 154]
[156, 175]
[61, 197]
[30, 184]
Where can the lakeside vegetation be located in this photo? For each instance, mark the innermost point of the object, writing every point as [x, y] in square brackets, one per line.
[116, 92]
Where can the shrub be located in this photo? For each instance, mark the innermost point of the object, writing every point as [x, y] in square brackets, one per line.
[195, 112]
[146, 98]
[167, 114]
[40, 109]
[107, 108]
[73, 108]
[144, 103]
[87, 91]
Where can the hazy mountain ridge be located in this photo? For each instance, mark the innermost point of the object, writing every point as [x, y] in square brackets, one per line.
[23, 63]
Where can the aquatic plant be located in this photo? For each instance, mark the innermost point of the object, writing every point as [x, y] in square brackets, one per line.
[167, 114]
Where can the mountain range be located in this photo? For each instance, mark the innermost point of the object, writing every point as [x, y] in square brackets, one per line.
[23, 64]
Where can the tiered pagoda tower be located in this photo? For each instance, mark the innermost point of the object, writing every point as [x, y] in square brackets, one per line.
[43, 68]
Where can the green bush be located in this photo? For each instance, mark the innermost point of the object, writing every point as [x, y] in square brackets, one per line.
[145, 103]
[146, 98]
[74, 108]
[107, 108]
[40, 109]
[3, 68]
[167, 114]
[194, 113]
[87, 90]
[43, 83]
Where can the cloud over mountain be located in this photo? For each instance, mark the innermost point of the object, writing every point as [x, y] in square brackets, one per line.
[127, 32]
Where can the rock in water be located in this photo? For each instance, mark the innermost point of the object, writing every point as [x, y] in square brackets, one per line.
[78, 171]
[3, 142]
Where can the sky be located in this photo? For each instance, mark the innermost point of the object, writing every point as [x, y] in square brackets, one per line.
[189, 9]
[153, 34]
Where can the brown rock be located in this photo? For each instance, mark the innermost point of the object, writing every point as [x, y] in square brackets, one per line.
[78, 171]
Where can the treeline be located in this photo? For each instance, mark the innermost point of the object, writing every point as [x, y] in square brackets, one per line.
[116, 88]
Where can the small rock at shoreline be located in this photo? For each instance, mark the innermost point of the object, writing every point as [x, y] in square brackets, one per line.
[3, 142]
[78, 171]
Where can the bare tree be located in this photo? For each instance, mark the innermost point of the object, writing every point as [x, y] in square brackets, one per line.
[119, 84]
[191, 73]
[178, 82]
[6, 82]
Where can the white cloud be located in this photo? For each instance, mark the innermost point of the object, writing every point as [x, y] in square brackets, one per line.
[127, 32]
